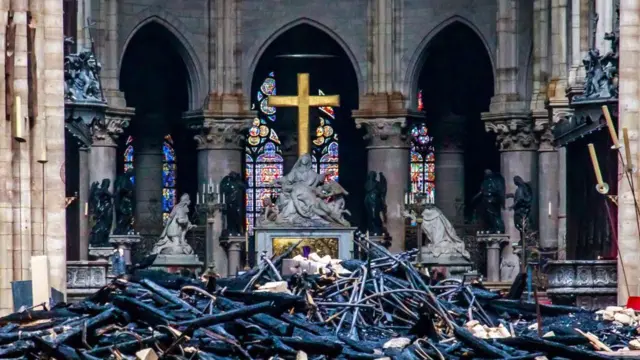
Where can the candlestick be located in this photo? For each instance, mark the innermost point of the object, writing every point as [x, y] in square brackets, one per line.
[627, 149]
[86, 209]
[612, 130]
[18, 128]
[204, 189]
[197, 198]
[549, 208]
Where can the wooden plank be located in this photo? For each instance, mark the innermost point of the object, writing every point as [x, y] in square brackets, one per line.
[40, 279]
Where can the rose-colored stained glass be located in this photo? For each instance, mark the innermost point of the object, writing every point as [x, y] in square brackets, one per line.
[326, 148]
[422, 171]
[420, 102]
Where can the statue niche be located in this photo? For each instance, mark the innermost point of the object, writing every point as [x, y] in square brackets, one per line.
[306, 200]
[232, 187]
[375, 203]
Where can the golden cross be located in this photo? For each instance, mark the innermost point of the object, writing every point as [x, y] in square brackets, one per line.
[303, 101]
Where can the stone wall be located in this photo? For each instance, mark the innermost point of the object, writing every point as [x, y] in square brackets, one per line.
[32, 220]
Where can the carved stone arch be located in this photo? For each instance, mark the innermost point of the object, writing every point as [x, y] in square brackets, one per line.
[259, 52]
[197, 85]
[419, 56]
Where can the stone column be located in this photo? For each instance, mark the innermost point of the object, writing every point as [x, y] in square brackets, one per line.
[562, 203]
[606, 16]
[547, 187]
[148, 166]
[629, 113]
[518, 157]
[448, 137]
[234, 250]
[220, 150]
[388, 152]
[580, 18]
[83, 200]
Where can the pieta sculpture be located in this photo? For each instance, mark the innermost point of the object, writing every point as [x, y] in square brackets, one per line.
[306, 200]
[173, 237]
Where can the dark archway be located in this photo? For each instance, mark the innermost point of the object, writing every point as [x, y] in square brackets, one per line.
[332, 72]
[156, 82]
[457, 77]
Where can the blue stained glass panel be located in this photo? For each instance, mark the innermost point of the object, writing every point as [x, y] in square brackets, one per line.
[169, 153]
[128, 154]
[169, 175]
[168, 199]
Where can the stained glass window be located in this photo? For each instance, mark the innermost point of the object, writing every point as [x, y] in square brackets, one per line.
[168, 177]
[422, 162]
[325, 145]
[263, 157]
[128, 157]
[420, 103]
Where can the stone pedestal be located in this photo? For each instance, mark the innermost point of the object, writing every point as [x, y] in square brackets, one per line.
[455, 266]
[100, 252]
[494, 243]
[125, 242]
[178, 263]
[266, 235]
[85, 278]
[234, 246]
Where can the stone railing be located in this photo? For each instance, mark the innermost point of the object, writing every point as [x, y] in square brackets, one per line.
[588, 283]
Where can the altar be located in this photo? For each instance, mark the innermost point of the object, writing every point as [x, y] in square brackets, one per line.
[337, 242]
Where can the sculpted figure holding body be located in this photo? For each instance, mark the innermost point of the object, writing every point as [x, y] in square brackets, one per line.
[172, 239]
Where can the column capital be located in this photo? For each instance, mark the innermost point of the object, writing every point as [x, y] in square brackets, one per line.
[216, 132]
[543, 130]
[106, 130]
[385, 132]
[514, 131]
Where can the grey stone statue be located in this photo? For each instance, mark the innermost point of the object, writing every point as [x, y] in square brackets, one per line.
[443, 239]
[82, 77]
[492, 194]
[601, 80]
[375, 206]
[522, 201]
[173, 237]
[101, 210]
[306, 200]
[232, 187]
[124, 201]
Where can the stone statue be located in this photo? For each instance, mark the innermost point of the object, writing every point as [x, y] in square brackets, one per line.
[522, 200]
[492, 194]
[442, 236]
[82, 77]
[601, 80]
[172, 239]
[118, 264]
[305, 200]
[232, 187]
[269, 211]
[509, 266]
[101, 209]
[124, 200]
[375, 206]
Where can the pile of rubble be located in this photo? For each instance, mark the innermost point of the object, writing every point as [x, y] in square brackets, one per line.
[381, 308]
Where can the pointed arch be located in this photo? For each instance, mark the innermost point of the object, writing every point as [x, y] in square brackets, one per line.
[288, 26]
[181, 43]
[419, 56]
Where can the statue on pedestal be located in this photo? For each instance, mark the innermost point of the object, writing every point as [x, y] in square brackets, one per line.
[172, 239]
[306, 200]
[124, 200]
[101, 209]
[375, 206]
[492, 194]
[522, 200]
[232, 187]
[442, 236]
[82, 77]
